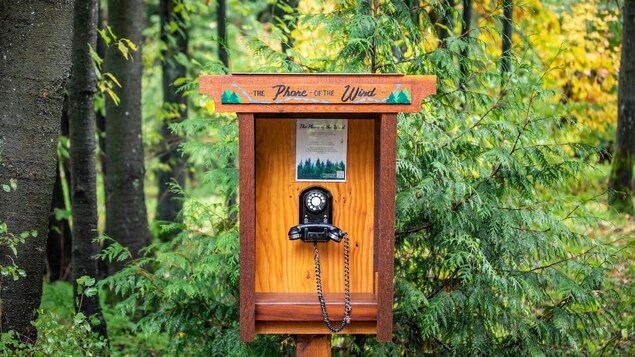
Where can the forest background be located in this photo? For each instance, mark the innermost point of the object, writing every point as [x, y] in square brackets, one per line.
[505, 240]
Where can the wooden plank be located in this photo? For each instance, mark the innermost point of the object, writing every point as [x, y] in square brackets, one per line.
[247, 211]
[385, 223]
[263, 87]
[286, 266]
[313, 345]
[280, 327]
[306, 307]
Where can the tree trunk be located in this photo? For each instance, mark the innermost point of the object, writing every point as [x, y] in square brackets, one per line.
[100, 124]
[465, 27]
[172, 170]
[100, 118]
[444, 29]
[58, 244]
[221, 13]
[222, 56]
[126, 217]
[508, 10]
[35, 52]
[83, 188]
[621, 180]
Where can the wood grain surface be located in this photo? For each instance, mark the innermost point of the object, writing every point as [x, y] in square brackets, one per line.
[247, 210]
[284, 266]
[214, 85]
[313, 346]
[306, 307]
[278, 327]
[385, 222]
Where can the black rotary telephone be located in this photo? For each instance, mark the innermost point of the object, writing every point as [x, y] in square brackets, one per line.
[316, 212]
[316, 218]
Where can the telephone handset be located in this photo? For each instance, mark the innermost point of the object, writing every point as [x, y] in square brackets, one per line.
[316, 212]
[316, 218]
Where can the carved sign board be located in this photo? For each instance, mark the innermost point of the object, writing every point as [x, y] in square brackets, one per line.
[349, 93]
[303, 93]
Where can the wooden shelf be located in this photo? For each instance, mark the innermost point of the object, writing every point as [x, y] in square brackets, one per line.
[306, 307]
[313, 328]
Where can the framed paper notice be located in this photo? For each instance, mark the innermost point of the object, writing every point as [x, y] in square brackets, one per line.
[320, 150]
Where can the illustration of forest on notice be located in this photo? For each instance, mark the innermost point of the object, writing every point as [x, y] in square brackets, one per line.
[321, 170]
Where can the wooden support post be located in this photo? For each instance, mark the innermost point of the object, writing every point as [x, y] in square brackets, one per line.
[313, 346]
[246, 136]
[385, 221]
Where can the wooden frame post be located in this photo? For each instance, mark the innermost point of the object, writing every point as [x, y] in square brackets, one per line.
[247, 210]
[385, 172]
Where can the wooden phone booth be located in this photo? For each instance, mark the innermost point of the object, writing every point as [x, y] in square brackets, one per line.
[317, 186]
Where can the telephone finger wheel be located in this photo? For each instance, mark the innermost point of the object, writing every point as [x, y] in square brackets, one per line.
[315, 201]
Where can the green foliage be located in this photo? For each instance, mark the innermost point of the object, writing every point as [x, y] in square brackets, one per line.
[106, 80]
[56, 338]
[11, 241]
[60, 331]
[186, 290]
[493, 256]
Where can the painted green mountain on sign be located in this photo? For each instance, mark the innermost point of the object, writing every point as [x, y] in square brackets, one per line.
[399, 97]
[230, 97]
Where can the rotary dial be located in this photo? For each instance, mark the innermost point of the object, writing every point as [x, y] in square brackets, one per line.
[315, 201]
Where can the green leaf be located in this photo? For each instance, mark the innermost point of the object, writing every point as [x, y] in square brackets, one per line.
[86, 281]
[79, 318]
[112, 78]
[105, 36]
[6, 188]
[179, 81]
[112, 34]
[91, 291]
[123, 49]
[130, 44]
[178, 8]
[93, 54]
[113, 96]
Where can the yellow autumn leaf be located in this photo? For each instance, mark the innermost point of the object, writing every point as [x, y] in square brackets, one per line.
[210, 106]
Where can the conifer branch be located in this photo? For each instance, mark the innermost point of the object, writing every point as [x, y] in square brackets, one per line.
[414, 229]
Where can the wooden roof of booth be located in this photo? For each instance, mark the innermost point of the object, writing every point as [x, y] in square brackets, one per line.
[318, 93]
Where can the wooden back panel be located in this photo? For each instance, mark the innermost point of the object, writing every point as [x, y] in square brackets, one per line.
[284, 266]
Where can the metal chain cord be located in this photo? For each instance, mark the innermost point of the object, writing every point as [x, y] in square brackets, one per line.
[347, 291]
